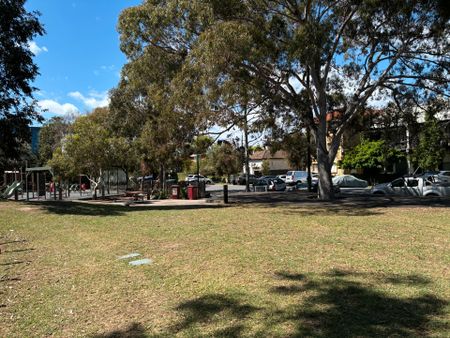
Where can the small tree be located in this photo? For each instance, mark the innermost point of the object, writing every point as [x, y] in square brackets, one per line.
[224, 159]
[265, 167]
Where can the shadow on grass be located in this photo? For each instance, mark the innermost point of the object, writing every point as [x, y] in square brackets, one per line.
[135, 330]
[334, 304]
[204, 309]
[345, 304]
[305, 204]
[85, 209]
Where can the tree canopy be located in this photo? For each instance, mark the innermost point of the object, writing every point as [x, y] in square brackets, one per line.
[372, 155]
[340, 53]
[91, 148]
[429, 153]
[17, 72]
[51, 135]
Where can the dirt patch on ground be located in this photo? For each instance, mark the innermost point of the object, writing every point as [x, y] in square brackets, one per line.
[28, 209]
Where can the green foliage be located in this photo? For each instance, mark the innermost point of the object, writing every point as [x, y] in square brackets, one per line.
[197, 54]
[429, 153]
[50, 137]
[223, 159]
[370, 155]
[91, 148]
[201, 144]
[17, 72]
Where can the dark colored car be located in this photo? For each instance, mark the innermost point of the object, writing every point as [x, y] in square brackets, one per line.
[270, 183]
[251, 179]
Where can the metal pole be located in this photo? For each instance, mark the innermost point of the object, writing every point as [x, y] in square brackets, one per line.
[198, 170]
[308, 160]
[32, 184]
[16, 192]
[54, 188]
[60, 188]
[26, 185]
[117, 180]
[37, 186]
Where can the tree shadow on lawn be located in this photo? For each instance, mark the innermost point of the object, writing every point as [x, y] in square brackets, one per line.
[135, 330]
[87, 209]
[364, 205]
[336, 304]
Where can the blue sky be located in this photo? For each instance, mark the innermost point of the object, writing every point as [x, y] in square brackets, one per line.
[79, 57]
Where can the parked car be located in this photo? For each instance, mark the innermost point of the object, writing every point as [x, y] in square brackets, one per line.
[349, 181]
[413, 186]
[200, 178]
[242, 179]
[295, 177]
[315, 187]
[443, 176]
[282, 177]
[302, 185]
[270, 183]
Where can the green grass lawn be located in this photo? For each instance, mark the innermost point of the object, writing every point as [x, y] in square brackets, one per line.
[237, 271]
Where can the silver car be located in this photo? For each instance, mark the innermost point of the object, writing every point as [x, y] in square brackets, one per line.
[270, 183]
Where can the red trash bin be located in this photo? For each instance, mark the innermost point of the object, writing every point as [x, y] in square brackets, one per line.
[175, 192]
[192, 192]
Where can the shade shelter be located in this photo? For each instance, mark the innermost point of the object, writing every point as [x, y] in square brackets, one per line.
[38, 176]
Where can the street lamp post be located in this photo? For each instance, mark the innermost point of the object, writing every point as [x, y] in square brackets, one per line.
[197, 156]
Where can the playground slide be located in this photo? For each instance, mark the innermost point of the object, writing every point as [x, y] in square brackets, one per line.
[9, 192]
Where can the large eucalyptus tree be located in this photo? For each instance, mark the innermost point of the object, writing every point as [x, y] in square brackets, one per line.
[350, 48]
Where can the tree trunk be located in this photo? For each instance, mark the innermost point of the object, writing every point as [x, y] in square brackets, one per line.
[324, 162]
[325, 183]
[102, 186]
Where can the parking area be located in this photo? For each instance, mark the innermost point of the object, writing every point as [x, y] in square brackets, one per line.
[349, 197]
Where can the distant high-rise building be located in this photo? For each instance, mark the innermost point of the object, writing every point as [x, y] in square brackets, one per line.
[35, 139]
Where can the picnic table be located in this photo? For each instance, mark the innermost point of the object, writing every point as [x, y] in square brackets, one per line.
[137, 195]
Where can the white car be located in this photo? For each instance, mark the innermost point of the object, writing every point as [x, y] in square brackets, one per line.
[444, 176]
[413, 186]
[295, 177]
[199, 178]
[282, 177]
[349, 181]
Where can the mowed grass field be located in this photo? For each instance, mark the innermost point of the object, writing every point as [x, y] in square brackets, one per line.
[249, 270]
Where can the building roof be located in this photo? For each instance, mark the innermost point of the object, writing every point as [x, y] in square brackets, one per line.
[266, 155]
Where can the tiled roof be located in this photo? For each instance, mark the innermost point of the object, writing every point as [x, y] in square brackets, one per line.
[266, 155]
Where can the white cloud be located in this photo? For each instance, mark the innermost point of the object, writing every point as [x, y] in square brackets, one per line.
[109, 68]
[92, 100]
[57, 108]
[35, 49]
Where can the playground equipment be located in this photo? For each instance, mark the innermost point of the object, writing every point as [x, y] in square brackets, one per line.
[11, 189]
[32, 183]
[38, 181]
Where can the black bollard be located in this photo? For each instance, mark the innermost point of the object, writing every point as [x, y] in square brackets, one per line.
[225, 193]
